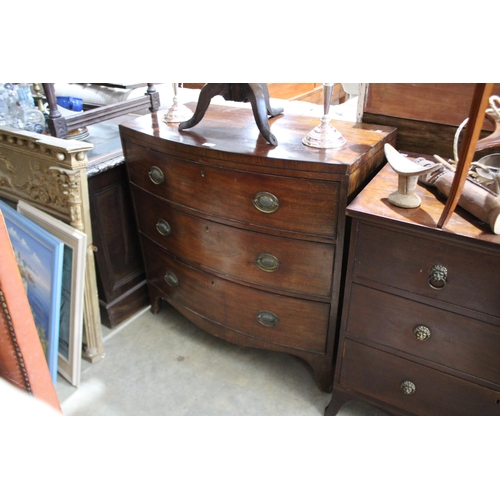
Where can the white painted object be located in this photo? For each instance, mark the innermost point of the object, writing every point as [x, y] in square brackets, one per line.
[408, 173]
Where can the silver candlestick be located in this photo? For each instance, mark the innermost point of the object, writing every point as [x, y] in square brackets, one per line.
[325, 136]
[177, 112]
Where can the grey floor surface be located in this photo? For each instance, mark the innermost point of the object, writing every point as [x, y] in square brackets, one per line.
[164, 365]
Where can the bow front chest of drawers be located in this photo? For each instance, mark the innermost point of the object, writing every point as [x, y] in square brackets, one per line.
[420, 328]
[243, 238]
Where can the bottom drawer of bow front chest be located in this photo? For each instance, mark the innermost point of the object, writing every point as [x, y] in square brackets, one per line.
[275, 319]
[411, 387]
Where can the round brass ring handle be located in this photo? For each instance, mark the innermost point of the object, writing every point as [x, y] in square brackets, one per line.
[408, 387]
[267, 262]
[163, 227]
[421, 332]
[437, 277]
[266, 202]
[171, 279]
[156, 175]
[268, 318]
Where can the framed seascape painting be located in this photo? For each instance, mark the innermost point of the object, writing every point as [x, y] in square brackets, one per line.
[40, 259]
[73, 281]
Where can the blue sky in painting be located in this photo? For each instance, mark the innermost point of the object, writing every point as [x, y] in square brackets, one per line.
[37, 259]
[36, 256]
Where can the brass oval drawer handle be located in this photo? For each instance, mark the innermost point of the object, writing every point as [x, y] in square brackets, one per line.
[267, 262]
[156, 175]
[163, 227]
[437, 277]
[266, 202]
[268, 318]
[408, 387]
[171, 279]
[421, 332]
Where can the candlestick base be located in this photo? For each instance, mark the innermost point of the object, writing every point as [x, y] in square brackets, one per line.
[177, 113]
[324, 136]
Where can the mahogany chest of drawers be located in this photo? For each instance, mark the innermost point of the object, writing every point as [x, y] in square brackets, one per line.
[420, 330]
[243, 238]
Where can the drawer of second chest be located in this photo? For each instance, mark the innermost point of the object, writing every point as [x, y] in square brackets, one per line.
[300, 324]
[281, 263]
[433, 334]
[414, 388]
[457, 274]
[273, 201]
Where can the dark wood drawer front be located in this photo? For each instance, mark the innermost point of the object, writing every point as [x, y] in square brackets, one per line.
[283, 203]
[434, 334]
[383, 376]
[296, 323]
[271, 261]
[405, 261]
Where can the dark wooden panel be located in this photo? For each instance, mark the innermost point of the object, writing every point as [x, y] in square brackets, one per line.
[380, 375]
[404, 261]
[120, 271]
[418, 137]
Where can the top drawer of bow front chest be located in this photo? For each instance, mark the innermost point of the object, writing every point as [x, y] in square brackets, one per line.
[272, 201]
[224, 168]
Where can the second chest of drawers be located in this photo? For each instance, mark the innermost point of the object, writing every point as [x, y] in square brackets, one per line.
[421, 320]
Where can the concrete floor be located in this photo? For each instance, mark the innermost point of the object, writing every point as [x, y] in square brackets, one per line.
[164, 365]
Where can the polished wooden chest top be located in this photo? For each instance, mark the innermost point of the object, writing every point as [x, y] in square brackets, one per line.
[247, 239]
[413, 341]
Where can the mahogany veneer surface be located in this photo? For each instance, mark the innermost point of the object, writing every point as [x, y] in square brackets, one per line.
[455, 370]
[255, 278]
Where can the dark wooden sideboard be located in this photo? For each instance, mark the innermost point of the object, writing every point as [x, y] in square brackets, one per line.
[121, 280]
[409, 344]
[247, 239]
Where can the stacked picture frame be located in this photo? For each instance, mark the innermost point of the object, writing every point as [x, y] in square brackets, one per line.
[51, 259]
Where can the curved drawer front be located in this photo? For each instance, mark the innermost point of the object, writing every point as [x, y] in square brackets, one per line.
[451, 273]
[440, 336]
[282, 263]
[412, 387]
[295, 323]
[289, 204]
